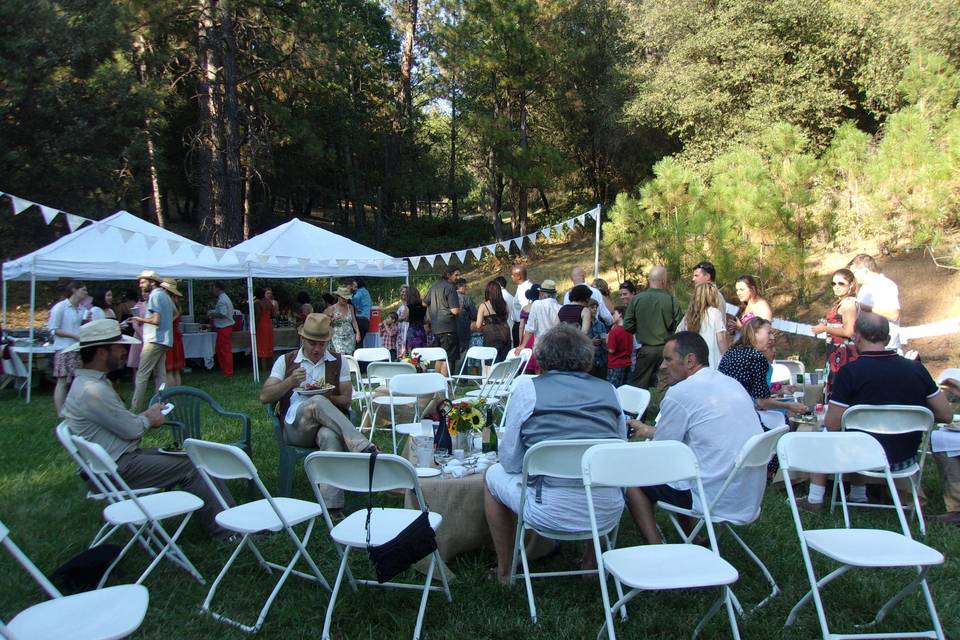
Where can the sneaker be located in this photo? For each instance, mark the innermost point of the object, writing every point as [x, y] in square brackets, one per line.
[806, 505]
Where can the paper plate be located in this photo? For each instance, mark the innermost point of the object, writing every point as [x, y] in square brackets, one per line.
[427, 472]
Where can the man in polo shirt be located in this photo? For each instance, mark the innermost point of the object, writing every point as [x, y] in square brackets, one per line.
[443, 305]
[221, 316]
[713, 415]
[879, 377]
[652, 315]
[312, 418]
[157, 337]
[94, 411]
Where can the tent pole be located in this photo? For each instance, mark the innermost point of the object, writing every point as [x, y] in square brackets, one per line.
[596, 246]
[33, 306]
[253, 330]
[190, 299]
[4, 322]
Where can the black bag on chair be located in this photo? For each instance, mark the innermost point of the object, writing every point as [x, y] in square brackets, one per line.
[415, 542]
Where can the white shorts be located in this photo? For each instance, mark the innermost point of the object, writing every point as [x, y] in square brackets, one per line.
[561, 508]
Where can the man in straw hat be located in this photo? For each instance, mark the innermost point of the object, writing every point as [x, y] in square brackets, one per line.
[311, 416]
[543, 314]
[94, 411]
[157, 327]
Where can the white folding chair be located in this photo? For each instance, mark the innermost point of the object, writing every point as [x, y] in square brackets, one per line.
[143, 511]
[781, 374]
[358, 386]
[755, 454]
[795, 367]
[657, 566]
[227, 462]
[412, 386]
[372, 354]
[101, 494]
[851, 452]
[103, 614]
[890, 419]
[498, 383]
[633, 400]
[434, 355]
[524, 356]
[380, 373]
[485, 356]
[351, 472]
[554, 459]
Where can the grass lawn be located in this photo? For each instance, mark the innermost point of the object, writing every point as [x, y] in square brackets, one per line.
[41, 501]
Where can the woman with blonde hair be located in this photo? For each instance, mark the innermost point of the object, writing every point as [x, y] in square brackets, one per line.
[705, 316]
[601, 285]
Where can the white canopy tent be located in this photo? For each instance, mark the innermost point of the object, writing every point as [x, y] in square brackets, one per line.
[298, 249]
[115, 248]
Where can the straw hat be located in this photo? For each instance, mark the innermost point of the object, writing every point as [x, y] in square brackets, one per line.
[343, 292]
[316, 327]
[98, 332]
[171, 285]
[548, 286]
[149, 274]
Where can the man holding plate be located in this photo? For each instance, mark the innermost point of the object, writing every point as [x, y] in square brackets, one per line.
[312, 389]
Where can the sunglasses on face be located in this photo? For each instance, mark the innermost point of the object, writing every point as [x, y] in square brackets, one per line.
[839, 284]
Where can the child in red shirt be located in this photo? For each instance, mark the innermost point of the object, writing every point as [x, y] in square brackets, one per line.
[619, 350]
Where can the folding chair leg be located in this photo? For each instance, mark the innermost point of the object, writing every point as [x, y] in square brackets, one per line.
[423, 598]
[328, 618]
[775, 589]
[892, 602]
[172, 548]
[918, 511]
[528, 581]
[731, 616]
[815, 594]
[443, 576]
[123, 552]
[931, 609]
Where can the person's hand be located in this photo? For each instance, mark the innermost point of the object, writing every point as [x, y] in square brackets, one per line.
[298, 377]
[155, 414]
[135, 319]
[357, 337]
[637, 430]
[733, 325]
[817, 329]
[517, 351]
[597, 342]
[797, 408]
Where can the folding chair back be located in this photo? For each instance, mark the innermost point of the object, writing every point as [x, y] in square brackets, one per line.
[220, 460]
[795, 367]
[98, 461]
[887, 419]
[558, 458]
[759, 449]
[524, 357]
[499, 382]
[430, 354]
[638, 464]
[486, 356]
[782, 374]
[828, 453]
[633, 400]
[417, 384]
[386, 370]
[66, 439]
[351, 471]
[372, 354]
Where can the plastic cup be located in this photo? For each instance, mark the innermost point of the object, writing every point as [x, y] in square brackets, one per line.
[423, 446]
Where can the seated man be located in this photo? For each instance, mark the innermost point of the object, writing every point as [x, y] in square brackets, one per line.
[94, 411]
[713, 415]
[315, 419]
[878, 377]
[564, 403]
[949, 469]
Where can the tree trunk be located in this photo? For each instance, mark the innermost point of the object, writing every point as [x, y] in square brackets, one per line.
[406, 95]
[496, 195]
[521, 227]
[140, 46]
[452, 172]
[247, 187]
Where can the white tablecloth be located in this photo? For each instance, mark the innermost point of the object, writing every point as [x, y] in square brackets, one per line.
[200, 345]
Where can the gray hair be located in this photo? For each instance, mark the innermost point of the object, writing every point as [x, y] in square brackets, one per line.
[564, 348]
[872, 327]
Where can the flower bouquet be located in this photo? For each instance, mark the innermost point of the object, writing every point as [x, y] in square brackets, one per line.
[464, 421]
[416, 361]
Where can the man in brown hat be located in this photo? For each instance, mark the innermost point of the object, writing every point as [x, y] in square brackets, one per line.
[157, 337]
[94, 411]
[311, 414]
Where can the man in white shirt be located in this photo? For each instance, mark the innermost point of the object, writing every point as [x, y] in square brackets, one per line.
[512, 318]
[713, 415]
[544, 314]
[311, 417]
[518, 273]
[579, 277]
[157, 338]
[222, 319]
[64, 323]
[705, 273]
[878, 294]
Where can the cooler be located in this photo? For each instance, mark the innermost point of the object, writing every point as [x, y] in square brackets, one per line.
[374, 320]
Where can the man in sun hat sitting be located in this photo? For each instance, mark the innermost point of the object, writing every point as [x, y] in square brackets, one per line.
[94, 411]
[313, 417]
[157, 337]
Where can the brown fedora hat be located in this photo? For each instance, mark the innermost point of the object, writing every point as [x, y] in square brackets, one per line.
[316, 327]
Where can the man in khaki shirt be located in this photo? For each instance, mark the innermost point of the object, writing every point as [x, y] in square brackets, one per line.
[94, 411]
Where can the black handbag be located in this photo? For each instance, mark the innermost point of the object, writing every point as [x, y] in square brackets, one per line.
[83, 571]
[415, 542]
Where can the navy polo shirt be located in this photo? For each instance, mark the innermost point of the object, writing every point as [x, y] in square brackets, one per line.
[884, 377]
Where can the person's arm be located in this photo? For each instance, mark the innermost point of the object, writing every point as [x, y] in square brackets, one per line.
[454, 303]
[481, 312]
[356, 327]
[103, 407]
[848, 314]
[763, 310]
[519, 409]
[629, 321]
[603, 313]
[940, 406]
[585, 321]
[794, 408]
[281, 382]
[344, 395]
[834, 416]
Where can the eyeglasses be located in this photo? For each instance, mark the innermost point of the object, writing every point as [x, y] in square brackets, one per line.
[839, 284]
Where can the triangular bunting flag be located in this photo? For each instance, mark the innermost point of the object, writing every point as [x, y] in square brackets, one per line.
[74, 221]
[477, 252]
[582, 219]
[174, 245]
[303, 262]
[462, 256]
[430, 259]
[125, 234]
[546, 231]
[283, 260]
[150, 240]
[262, 258]
[558, 228]
[492, 248]
[415, 261]
[197, 250]
[379, 263]
[218, 253]
[341, 262]
[241, 256]
[532, 237]
[445, 257]
[49, 213]
[19, 204]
